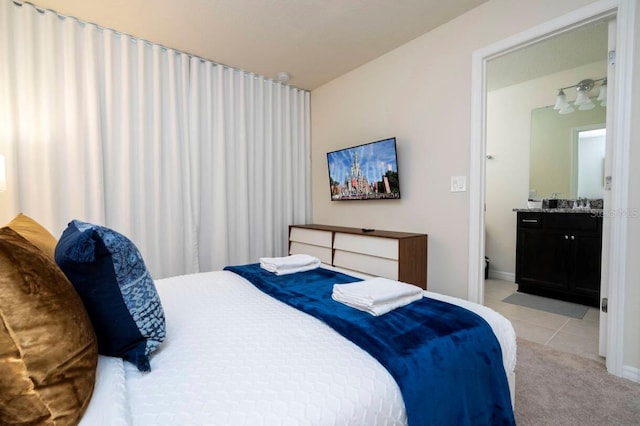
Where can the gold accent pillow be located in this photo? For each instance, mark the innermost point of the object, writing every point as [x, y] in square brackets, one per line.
[35, 233]
[48, 349]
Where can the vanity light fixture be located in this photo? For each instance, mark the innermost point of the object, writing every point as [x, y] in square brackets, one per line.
[582, 102]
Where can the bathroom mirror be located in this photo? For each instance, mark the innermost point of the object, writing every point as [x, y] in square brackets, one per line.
[567, 153]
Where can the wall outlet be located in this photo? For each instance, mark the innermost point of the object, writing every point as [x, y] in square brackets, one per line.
[458, 183]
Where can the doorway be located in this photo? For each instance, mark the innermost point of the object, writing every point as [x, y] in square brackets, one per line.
[589, 154]
[614, 267]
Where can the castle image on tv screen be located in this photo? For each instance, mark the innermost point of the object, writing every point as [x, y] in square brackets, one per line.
[364, 172]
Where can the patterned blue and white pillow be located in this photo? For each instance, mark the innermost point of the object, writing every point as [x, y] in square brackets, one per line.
[119, 294]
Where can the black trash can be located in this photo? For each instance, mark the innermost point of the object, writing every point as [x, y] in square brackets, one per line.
[486, 268]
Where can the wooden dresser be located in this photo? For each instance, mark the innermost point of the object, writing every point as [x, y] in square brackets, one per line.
[399, 256]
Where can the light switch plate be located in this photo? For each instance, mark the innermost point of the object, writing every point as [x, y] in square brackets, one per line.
[458, 183]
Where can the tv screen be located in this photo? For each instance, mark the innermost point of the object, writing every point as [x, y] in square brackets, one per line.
[364, 172]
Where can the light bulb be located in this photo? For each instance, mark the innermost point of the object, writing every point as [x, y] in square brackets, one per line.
[561, 101]
[602, 96]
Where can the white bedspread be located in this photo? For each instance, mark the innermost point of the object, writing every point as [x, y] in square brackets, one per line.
[235, 356]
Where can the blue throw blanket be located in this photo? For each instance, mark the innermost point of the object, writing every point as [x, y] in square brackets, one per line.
[445, 359]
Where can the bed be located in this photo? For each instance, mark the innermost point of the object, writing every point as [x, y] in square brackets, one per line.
[236, 356]
[230, 352]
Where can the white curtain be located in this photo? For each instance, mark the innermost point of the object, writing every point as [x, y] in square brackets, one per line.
[199, 164]
[254, 178]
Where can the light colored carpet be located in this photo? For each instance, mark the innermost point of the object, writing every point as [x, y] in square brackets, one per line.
[558, 388]
[561, 307]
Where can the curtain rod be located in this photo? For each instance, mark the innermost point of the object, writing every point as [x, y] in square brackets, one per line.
[42, 10]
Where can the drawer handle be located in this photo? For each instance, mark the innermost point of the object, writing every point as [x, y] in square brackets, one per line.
[529, 220]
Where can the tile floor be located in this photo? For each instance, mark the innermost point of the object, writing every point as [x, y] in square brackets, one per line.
[557, 331]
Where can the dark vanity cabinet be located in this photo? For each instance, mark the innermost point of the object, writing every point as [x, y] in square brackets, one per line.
[558, 255]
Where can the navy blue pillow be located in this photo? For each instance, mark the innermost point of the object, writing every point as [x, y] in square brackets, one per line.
[118, 292]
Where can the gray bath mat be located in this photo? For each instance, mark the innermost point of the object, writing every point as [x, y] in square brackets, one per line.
[560, 307]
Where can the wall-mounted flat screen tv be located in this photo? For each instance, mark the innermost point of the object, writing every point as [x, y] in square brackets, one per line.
[365, 172]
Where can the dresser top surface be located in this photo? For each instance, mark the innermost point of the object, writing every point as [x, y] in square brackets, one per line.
[359, 231]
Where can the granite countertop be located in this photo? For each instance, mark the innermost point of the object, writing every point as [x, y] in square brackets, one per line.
[563, 210]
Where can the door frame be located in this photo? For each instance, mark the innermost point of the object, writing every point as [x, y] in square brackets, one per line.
[624, 12]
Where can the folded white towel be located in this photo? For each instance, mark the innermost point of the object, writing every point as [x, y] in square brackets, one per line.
[382, 308]
[377, 295]
[375, 291]
[293, 270]
[293, 261]
[289, 264]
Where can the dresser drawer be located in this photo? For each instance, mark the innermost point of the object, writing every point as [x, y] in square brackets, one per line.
[374, 246]
[529, 220]
[322, 253]
[311, 236]
[379, 266]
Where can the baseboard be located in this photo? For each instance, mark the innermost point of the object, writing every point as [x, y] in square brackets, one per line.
[502, 275]
[631, 373]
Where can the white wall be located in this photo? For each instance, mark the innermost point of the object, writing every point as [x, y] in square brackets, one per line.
[508, 142]
[420, 93]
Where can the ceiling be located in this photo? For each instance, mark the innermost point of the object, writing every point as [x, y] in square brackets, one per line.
[314, 41]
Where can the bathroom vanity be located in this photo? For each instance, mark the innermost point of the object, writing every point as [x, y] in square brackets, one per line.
[558, 253]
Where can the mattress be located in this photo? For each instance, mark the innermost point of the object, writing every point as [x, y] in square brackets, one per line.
[236, 356]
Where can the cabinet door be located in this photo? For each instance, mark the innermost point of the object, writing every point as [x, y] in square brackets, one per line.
[586, 253]
[542, 258]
